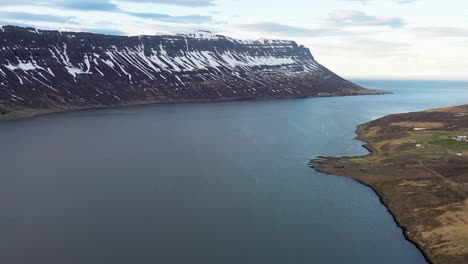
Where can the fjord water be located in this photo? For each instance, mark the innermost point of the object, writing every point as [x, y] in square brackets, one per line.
[201, 183]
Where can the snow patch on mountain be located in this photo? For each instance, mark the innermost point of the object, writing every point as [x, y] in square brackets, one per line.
[70, 68]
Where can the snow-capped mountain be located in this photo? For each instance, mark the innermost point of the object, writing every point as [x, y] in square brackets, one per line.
[42, 69]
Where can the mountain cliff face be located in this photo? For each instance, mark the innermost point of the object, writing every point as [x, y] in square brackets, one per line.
[55, 70]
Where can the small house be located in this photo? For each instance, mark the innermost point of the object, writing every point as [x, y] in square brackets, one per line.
[461, 138]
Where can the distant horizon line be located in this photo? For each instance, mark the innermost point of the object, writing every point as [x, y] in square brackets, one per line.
[383, 78]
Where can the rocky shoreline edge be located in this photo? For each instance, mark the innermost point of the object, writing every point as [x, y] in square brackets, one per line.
[418, 170]
[404, 230]
[17, 114]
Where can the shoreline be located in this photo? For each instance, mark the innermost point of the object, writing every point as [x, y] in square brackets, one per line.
[404, 230]
[427, 203]
[26, 113]
[372, 151]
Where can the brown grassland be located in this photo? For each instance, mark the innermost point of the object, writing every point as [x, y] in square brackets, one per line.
[420, 173]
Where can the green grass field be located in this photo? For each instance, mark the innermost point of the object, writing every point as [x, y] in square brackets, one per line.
[450, 143]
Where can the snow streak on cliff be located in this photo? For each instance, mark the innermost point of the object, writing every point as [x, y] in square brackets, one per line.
[43, 69]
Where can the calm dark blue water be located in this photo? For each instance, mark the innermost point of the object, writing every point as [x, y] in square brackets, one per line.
[201, 183]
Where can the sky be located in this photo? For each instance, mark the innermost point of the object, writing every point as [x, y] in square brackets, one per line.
[390, 39]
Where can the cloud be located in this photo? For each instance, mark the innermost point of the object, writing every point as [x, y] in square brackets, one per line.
[12, 23]
[405, 1]
[441, 32]
[110, 6]
[172, 19]
[105, 31]
[192, 3]
[85, 5]
[23, 16]
[94, 5]
[364, 2]
[374, 46]
[106, 5]
[358, 18]
[287, 30]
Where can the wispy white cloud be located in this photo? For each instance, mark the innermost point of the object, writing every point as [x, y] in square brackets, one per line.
[359, 18]
[190, 3]
[395, 1]
[30, 17]
[287, 30]
[172, 19]
[455, 32]
[108, 5]
[102, 6]
[90, 5]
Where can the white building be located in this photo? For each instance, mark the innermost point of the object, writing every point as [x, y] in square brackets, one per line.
[461, 138]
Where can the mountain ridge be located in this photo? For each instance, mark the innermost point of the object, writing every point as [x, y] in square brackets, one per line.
[51, 70]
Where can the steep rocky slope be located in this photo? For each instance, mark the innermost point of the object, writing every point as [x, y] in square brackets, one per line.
[43, 71]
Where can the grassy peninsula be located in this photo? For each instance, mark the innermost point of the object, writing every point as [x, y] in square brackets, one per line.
[418, 165]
